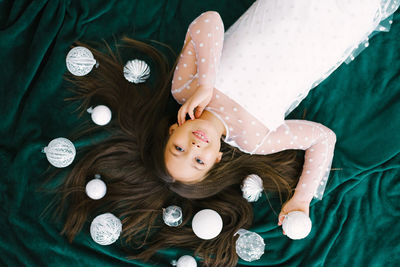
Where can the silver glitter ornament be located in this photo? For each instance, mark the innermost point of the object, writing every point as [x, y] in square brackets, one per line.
[172, 216]
[252, 188]
[136, 71]
[60, 152]
[105, 229]
[250, 246]
[80, 61]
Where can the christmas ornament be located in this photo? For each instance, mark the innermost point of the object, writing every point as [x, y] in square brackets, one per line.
[250, 246]
[297, 225]
[136, 71]
[80, 61]
[172, 216]
[207, 224]
[105, 229]
[96, 188]
[252, 188]
[60, 152]
[101, 115]
[185, 261]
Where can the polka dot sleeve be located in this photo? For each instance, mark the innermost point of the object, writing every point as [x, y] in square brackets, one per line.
[317, 140]
[200, 56]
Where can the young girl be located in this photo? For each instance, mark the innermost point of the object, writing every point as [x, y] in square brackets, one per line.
[240, 85]
[237, 86]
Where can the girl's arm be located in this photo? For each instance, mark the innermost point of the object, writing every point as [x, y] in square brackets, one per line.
[198, 63]
[318, 141]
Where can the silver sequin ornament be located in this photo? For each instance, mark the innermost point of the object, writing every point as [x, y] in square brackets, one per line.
[105, 229]
[252, 188]
[172, 216]
[250, 246]
[136, 71]
[60, 152]
[80, 61]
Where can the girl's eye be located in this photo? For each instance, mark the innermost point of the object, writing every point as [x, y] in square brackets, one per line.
[179, 148]
[199, 161]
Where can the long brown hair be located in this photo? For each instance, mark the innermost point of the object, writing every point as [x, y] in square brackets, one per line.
[130, 161]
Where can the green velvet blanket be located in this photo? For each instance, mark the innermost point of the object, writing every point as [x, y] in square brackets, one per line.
[356, 222]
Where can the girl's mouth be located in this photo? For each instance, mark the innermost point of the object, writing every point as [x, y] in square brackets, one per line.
[200, 135]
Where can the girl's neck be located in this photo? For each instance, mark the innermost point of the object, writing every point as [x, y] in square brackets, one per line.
[207, 115]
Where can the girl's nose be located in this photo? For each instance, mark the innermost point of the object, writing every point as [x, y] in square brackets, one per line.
[195, 144]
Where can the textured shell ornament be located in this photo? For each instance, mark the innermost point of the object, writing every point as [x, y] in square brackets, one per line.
[80, 61]
[136, 71]
[252, 188]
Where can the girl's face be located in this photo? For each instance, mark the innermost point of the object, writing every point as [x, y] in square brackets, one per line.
[192, 149]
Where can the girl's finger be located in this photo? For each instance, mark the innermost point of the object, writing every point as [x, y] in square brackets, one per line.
[199, 111]
[191, 115]
[281, 218]
[181, 115]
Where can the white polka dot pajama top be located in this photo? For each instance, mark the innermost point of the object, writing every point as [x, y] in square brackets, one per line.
[244, 69]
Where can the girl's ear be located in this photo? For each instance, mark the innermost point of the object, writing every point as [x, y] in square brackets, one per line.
[218, 157]
[172, 128]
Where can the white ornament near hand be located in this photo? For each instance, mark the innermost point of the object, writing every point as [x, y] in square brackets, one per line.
[136, 71]
[101, 115]
[105, 229]
[252, 188]
[80, 61]
[60, 152]
[96, 188]
[207, 224]
[297, 225]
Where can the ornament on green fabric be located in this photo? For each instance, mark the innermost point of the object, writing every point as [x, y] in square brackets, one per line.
[185, 261]
[136, 71]
[101, 115]
[172, 216]
[96, 188]
[207, 224]
[80, 61]
[60, 152]
[105, 229]
[250, 246]
[252, 187]
[297, 225]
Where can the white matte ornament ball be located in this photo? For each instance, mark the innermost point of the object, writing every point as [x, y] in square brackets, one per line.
[96, 189]
[101, 115]
[136, 71]
[60, 152]
[297, 225]
[80, 61]
[207, 224]
[186, 261]
[105, 229]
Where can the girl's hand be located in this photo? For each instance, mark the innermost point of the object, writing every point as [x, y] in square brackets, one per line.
[199, 100]
[293, 204]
